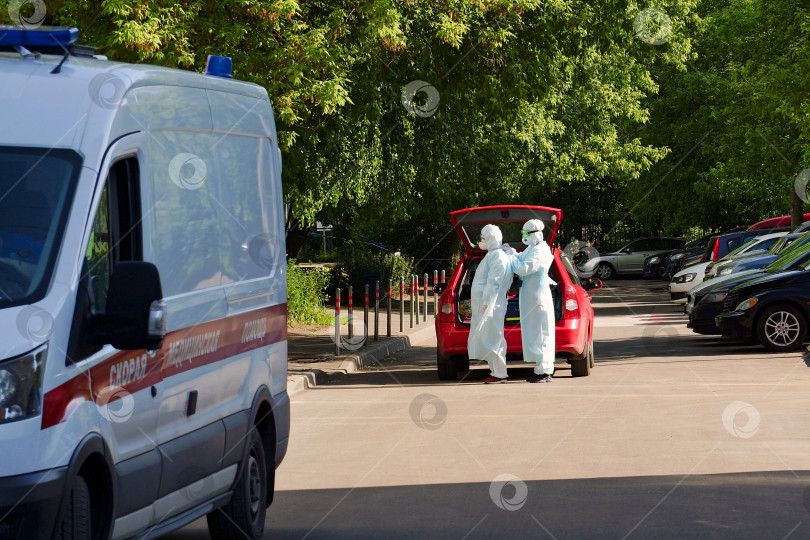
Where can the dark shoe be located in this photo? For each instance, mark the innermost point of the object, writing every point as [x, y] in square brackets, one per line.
[535, 378]
[491, 379]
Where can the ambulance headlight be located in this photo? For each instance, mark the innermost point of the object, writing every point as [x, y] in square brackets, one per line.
[8, 386]
[21, 385]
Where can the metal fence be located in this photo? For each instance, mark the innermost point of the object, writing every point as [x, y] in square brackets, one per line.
[607, 239]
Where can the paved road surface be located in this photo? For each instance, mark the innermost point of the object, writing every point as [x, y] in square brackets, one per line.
[673, 435]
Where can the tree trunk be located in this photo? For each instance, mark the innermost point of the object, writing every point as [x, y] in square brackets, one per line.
[796, 210]
[296, 237]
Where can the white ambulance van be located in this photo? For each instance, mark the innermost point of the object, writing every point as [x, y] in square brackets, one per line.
[143, 334]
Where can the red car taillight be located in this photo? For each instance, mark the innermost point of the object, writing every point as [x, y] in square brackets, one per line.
[447, 311]
[716, 250]
[570, 303]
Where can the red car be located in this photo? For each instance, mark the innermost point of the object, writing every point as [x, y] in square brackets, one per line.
[775, 222]
[573, 311]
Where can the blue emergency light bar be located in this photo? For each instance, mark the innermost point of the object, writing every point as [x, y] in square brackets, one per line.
[218, 66]
[44, 36]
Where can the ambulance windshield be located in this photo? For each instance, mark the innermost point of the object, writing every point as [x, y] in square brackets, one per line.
[36, 190]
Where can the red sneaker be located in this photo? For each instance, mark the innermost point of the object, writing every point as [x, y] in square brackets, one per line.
[491, 379]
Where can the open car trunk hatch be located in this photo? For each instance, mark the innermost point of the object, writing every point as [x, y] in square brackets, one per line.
[509, 218]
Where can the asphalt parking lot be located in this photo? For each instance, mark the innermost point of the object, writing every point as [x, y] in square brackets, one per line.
[673, 435]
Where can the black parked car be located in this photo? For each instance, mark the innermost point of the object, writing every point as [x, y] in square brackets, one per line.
[705, 302]
[674, 261]
[773, 309]
[655, 266]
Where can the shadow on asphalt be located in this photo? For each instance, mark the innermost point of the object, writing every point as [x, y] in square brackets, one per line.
[663, 338]
[750, 505]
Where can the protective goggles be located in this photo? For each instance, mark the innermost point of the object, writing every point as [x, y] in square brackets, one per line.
[525, 234]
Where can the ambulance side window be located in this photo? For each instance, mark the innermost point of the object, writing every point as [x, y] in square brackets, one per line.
[98, 251]
[116, 228]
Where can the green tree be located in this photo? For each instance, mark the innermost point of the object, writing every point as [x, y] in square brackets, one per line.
[736, 121]
[538, 102]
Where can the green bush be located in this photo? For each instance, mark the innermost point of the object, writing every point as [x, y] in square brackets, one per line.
[306, 295]
[354, 266]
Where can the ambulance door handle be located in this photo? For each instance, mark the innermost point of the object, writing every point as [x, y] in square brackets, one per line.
[191, 404]
[154, 391]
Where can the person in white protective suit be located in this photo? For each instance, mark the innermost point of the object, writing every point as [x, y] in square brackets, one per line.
[488, 305]
[536, 302]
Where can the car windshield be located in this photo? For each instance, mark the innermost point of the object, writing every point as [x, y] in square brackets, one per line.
[509, 229]
[707, 253]
[789, 244]
[790, 258]
[697, 242]
[36, 190]
[742, 248]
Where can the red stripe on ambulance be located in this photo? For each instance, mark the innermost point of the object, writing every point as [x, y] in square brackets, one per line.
[182, 351]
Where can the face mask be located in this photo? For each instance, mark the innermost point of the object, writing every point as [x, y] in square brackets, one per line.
[525, 240]
[482, 244]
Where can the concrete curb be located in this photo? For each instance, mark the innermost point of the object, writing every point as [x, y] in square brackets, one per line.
[303, 380]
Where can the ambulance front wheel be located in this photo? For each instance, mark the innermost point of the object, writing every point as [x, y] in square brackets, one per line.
[76, 523]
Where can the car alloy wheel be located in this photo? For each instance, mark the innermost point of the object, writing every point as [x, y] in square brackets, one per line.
[782, 328]
[604, 271]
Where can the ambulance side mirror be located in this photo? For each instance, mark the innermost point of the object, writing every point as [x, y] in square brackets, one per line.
[135, 317]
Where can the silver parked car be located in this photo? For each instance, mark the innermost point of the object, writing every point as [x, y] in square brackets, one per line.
[629, 259]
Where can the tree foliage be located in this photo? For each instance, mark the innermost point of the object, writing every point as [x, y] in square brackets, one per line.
[539, 102]
[736, 120]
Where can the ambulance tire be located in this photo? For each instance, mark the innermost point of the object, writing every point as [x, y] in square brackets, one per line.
[243, 517]
[75, 523]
